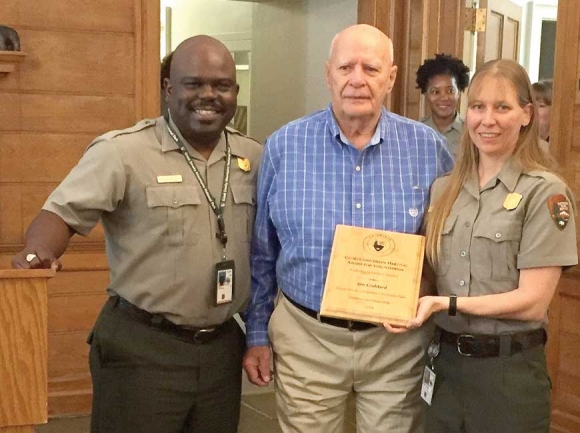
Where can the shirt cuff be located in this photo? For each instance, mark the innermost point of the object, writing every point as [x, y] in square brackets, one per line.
[257, 337]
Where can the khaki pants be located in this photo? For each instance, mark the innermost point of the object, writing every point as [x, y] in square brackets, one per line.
[317, 366]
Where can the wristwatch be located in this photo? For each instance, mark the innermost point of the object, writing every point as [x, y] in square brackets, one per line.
[452, 305]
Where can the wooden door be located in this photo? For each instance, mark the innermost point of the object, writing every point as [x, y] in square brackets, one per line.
[502, 32]
[564, 328]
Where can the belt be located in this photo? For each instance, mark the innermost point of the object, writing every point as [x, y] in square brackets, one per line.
[485, 346]
[351, 325]
[158, 322]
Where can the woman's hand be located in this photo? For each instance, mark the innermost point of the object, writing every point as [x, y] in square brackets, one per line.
[425, 309]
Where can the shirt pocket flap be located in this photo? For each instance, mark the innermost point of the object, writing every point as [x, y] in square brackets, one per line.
[500, 231]
[172, 196]
[245, 194]
[449, 224]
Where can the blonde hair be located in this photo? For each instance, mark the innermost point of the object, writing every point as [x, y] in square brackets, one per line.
[527, 152]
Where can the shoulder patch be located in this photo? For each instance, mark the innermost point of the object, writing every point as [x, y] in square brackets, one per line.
[559, 208]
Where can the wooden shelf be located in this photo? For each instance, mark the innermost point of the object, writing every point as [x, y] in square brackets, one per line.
[9, 59]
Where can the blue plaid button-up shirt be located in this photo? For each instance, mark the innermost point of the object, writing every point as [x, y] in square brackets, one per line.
[310, 180]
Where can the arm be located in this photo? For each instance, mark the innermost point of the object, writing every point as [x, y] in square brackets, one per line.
[94, 185]
[545, 248]
[47, 237]
[264, 253]
[529, 302]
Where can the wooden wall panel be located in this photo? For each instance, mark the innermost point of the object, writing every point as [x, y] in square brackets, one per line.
[29, 157]
[91, 67]
[93, 16]
[76, 113]
[10, 214]
[9, 111]
[93, 282]
[74, 313]
[53, 63]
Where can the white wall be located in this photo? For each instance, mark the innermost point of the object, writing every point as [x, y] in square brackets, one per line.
[535, 12]
[325, 18]
[211, 17]
[278, 65]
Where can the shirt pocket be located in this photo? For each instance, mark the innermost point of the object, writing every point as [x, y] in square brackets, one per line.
[244, 210]
[175, 208]
[445, 254]
[494, 250]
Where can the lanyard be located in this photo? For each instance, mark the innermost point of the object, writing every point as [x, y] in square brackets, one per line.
[217, 210]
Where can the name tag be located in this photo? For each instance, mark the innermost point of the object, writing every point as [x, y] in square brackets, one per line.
[174, 178]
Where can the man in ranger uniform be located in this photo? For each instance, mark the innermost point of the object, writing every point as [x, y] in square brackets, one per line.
[176, 199]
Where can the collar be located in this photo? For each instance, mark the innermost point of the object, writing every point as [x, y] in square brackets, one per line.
[456, 125]
[508, 175]
[168, 144]
[377, 138]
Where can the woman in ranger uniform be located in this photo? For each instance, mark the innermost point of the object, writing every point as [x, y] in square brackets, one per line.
[499, 233]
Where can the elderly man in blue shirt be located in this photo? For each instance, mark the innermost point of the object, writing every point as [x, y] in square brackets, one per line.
[357, 164]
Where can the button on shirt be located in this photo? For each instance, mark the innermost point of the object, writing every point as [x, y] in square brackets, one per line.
[160, 234]
[484, 245]
[311, 179]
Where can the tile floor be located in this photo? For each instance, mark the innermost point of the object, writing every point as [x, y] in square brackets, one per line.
[258, 416]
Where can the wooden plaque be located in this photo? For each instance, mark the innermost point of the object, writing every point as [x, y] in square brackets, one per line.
[373, 275]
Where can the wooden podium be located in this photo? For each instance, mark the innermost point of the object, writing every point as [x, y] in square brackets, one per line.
[23, 349]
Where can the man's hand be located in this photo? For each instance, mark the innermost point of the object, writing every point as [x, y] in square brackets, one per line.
[256, 363]
[46, 240]
[36, 258]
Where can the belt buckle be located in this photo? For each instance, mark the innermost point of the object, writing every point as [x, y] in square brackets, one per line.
[198, 337]
[464, 337]
[350, 325]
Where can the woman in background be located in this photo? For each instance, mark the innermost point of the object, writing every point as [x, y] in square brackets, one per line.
[442, 80]
[543, 96]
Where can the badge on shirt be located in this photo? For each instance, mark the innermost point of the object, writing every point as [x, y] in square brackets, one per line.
[559, 207]
[244, 164]
[173, 178]
[512, 201]
[224, 282]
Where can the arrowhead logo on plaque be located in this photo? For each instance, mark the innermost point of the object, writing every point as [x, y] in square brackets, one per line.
[373, 275]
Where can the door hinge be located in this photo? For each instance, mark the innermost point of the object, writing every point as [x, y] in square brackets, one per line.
[475, 19]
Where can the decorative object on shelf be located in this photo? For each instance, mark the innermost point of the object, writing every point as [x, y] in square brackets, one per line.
[9, 39]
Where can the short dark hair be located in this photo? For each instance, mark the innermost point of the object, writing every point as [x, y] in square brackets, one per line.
[543, 91]
[442, 64]
[165, 68]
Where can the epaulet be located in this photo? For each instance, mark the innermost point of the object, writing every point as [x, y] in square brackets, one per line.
[143, 124]
[236, 132]
[546, 175]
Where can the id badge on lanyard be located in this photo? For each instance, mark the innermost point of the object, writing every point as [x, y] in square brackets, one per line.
[224, 271]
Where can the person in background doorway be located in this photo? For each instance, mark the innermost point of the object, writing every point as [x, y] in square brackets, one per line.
[441, 80]
[164, 75]
[543, 97]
